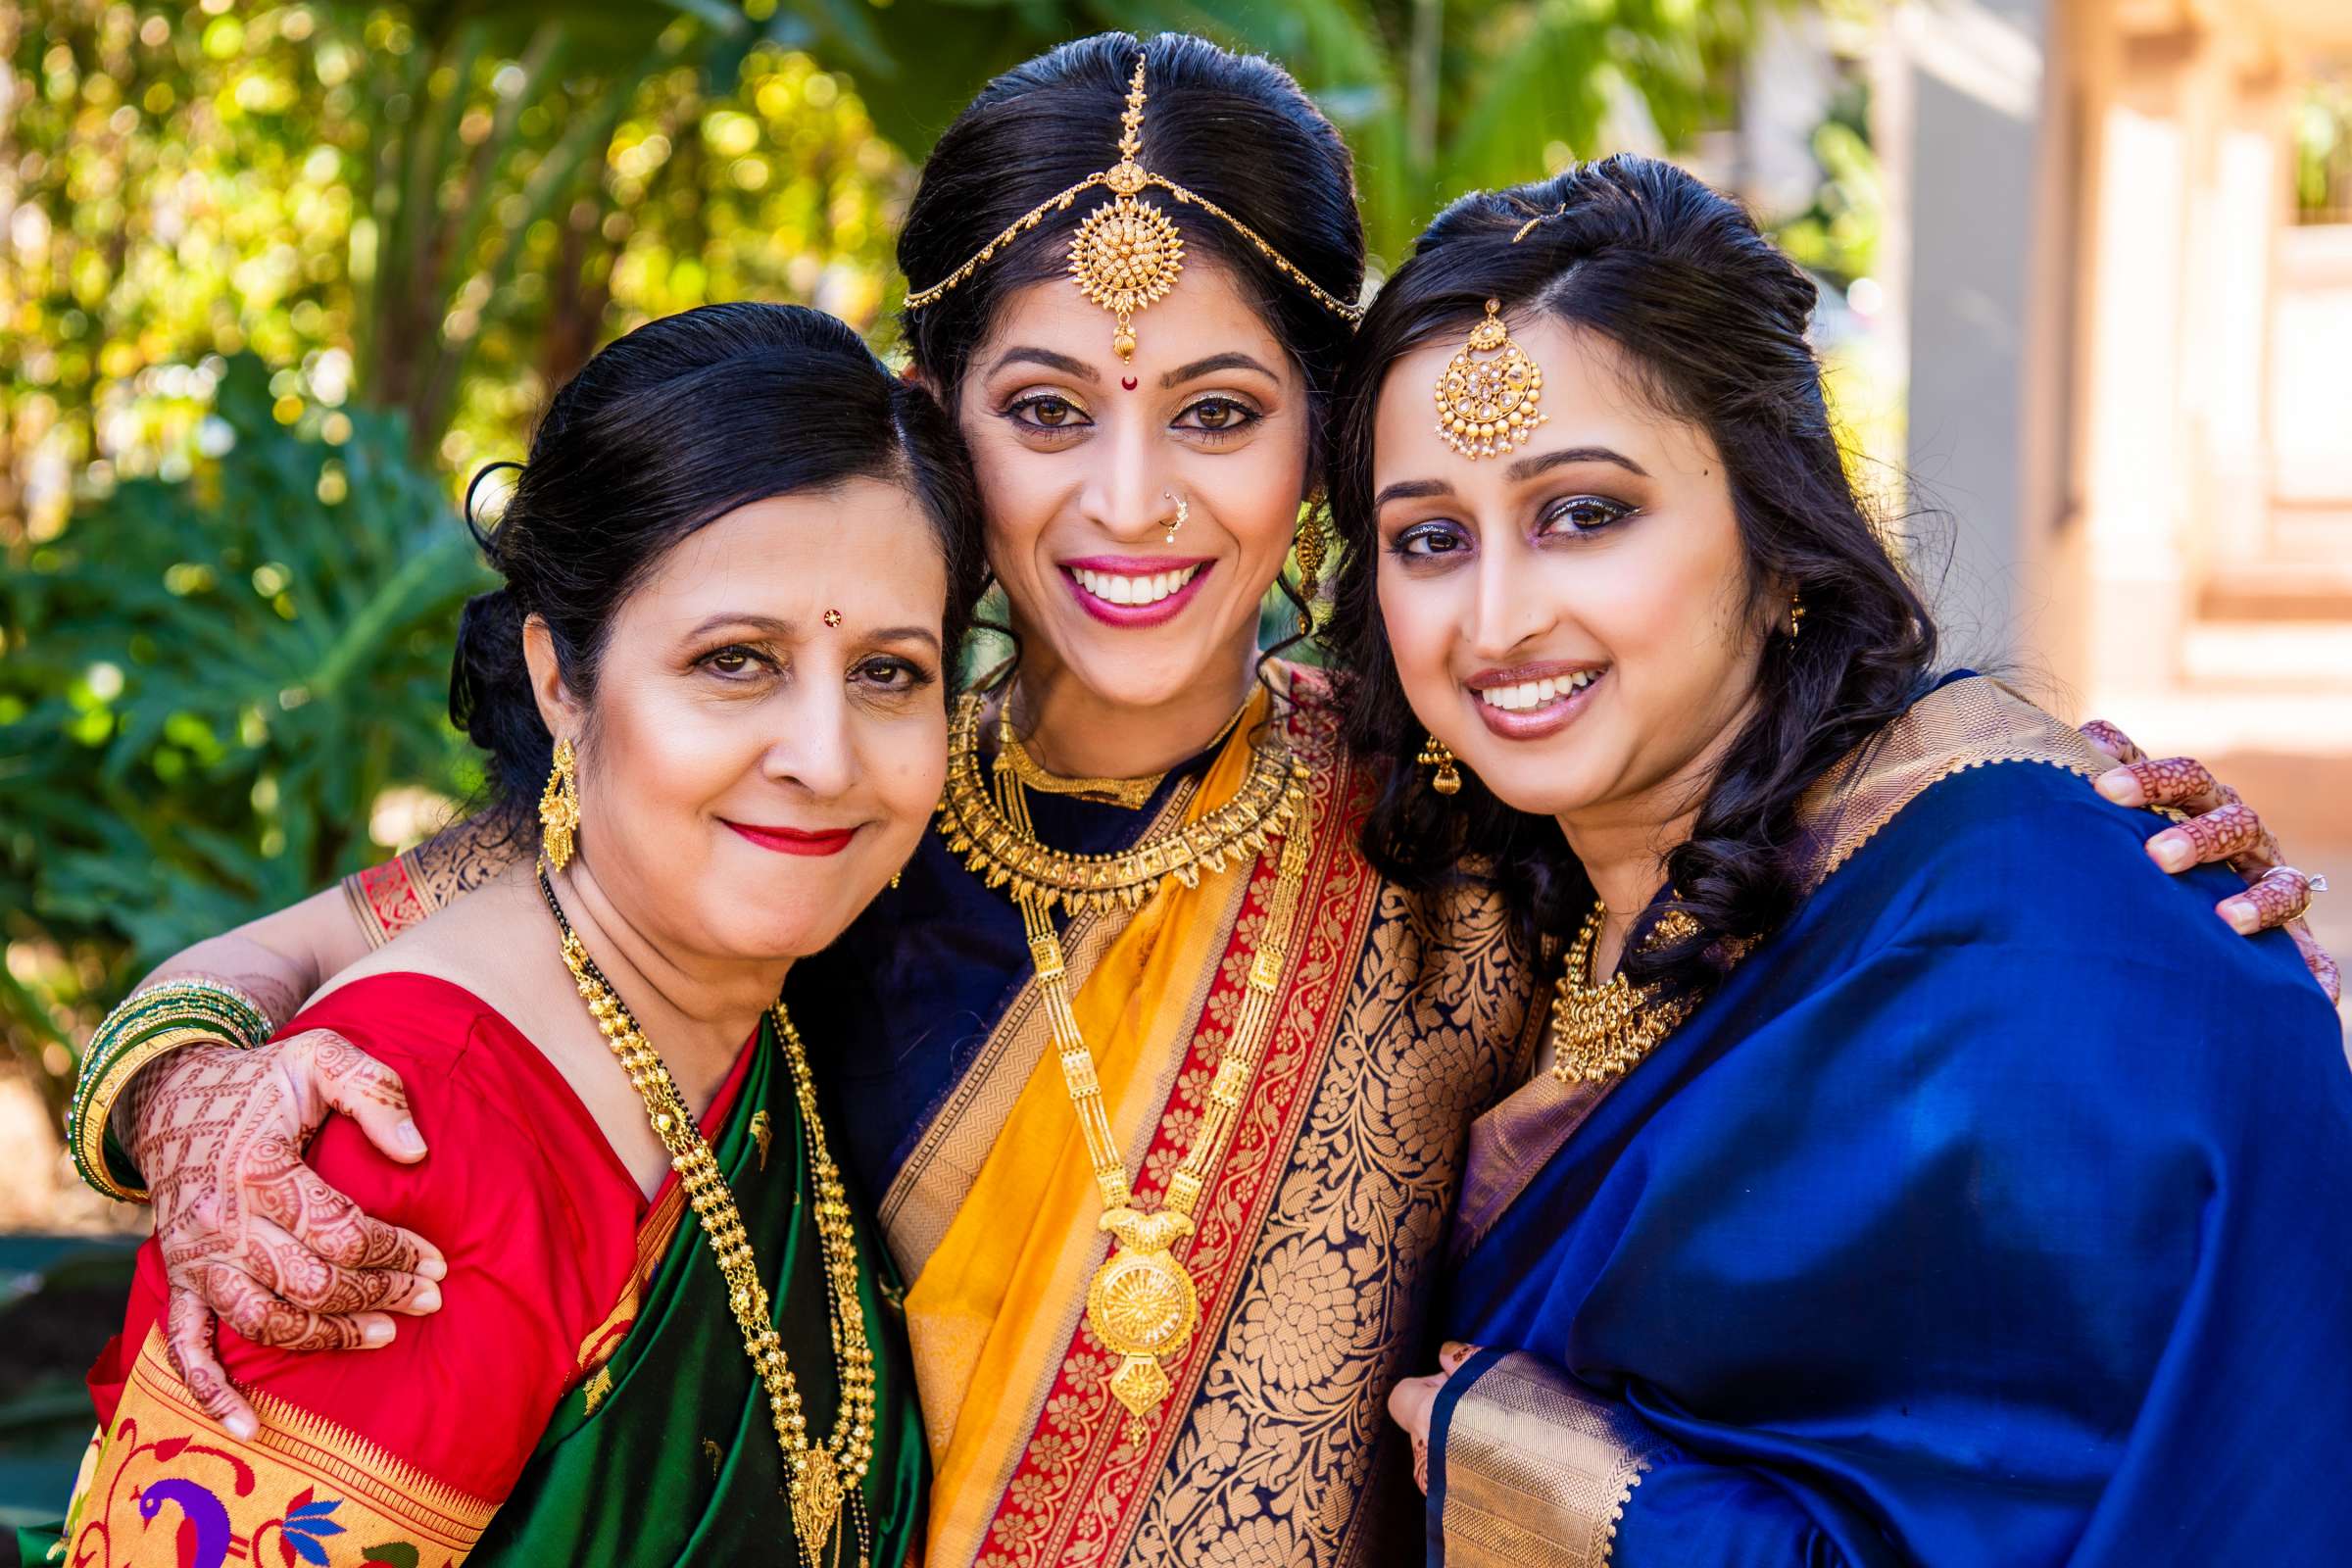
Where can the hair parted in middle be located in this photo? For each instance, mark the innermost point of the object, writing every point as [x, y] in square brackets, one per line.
[1712, 320]
[1235, 129]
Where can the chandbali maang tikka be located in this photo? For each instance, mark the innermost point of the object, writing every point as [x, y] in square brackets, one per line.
[1127, 253]
[1488, 394]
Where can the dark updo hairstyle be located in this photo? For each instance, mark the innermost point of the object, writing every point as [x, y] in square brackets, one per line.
[663, 432]
[1235, 129]
[1712, 320]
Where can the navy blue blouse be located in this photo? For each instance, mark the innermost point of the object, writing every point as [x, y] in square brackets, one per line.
[897, 1009]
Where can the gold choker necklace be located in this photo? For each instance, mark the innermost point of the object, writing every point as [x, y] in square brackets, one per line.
[1128, 794]
[1600, 1032]
[823, 1478]
[1004, 854]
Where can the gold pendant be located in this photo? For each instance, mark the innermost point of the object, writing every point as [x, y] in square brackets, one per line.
[816, 1498]
[1143, 1306]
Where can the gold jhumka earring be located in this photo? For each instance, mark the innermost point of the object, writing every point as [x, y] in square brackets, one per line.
[1797, 614]
[1311, 546]
[1448, 780]
[1127, 253]
[559, 806]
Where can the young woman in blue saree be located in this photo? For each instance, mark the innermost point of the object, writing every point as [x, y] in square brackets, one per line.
[1894, 1200]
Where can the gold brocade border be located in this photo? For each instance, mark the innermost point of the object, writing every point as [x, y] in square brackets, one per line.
[388, 899]
[1964, 724]
[1968, 724]
[1537, 1473]
[161, 1451]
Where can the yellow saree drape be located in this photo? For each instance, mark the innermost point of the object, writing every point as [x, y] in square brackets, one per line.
[1026, 1238]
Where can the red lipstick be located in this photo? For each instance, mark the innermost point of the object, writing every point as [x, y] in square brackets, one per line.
[795, 841]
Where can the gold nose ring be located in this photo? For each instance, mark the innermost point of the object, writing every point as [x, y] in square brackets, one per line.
[1182, 512]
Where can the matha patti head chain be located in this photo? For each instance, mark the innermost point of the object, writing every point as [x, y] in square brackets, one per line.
[1127, 254]
[1488, 393]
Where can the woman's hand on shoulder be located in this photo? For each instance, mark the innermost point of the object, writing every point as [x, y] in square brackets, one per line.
[1412, 1401]
[2222, 829]
[252, 1234]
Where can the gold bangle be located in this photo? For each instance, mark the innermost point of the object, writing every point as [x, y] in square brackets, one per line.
[97, 1100]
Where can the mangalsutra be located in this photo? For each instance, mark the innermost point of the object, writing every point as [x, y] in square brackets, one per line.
[1600, 1032]
[824, 1479]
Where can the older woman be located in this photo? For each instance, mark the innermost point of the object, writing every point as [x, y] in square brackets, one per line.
[1879, 1202]
[736, 562]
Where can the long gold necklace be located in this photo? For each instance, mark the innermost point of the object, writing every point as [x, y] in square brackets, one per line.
[1601, 1031]
[1142, 1303]
[826, 1476]
[977, 825]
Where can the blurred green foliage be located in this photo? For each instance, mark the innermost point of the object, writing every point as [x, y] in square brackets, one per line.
[275, 277]
[2323, 151]
[215, 683]
[1838, 235]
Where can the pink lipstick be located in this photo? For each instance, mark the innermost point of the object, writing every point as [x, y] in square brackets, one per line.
[1528, 702]
[1135, 591]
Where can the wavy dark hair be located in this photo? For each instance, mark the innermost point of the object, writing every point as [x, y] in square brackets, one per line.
[663, 433]
[1234, 127]
[1712, 319]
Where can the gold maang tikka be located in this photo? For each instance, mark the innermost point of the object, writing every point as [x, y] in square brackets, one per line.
[1487, 396]
[1488, 393]
[1127, 253]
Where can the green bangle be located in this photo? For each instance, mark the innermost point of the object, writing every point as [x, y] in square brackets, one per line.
[142, 1027]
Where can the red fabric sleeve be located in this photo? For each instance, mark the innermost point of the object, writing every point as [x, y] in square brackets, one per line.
[533, 1210]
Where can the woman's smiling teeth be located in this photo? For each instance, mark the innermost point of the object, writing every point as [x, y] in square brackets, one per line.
[1116, 589]
[1528, 694]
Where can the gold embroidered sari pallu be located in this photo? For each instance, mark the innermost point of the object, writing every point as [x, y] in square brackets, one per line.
[1036, 1459]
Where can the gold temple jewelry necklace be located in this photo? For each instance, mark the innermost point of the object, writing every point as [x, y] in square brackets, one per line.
[1602, 1031]
[827, 1477]
[1142, 1303]
[977, 827]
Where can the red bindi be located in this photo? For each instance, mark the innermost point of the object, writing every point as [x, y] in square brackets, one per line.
[1127, 381]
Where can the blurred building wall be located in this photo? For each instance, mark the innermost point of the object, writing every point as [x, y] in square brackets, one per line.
[2132, 378]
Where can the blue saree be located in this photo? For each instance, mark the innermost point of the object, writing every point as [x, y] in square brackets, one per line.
[1996, 1210]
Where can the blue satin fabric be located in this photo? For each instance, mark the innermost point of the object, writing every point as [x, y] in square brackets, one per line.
[1997, 1211]
[897, 1007]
